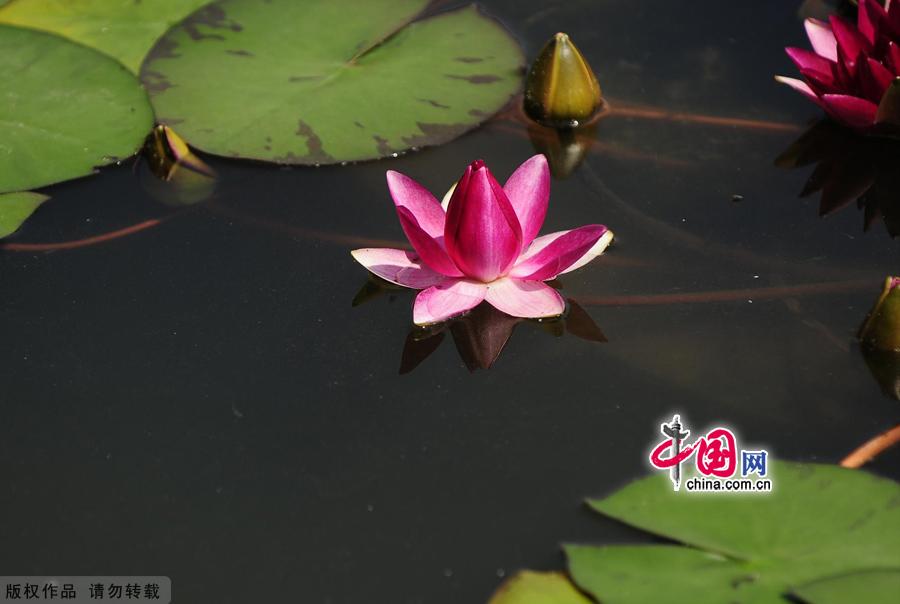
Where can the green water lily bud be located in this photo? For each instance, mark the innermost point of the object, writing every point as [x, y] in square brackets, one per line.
[561, 89]
[881, 329]
[885, 368]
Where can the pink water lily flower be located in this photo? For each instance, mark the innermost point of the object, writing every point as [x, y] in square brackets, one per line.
[853, 72]
[482, 246]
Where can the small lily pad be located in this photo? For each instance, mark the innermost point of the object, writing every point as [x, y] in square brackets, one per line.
[529, 587]
[124, 30]
[15, 208]
[872, 587]
[64, 110]
[319, 82]
[819, 521]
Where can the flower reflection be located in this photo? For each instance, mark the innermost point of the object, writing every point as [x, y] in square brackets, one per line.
[481, 334]
[850, 168]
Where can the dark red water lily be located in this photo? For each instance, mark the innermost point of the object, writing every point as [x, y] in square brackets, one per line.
[852, 71]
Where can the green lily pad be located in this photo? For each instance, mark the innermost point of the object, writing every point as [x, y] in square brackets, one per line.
[819, 521]
[317, 82]
[64, 110]
[15, 208]
[647, 573]
[124, 30]
[872, 587]
[529, 587]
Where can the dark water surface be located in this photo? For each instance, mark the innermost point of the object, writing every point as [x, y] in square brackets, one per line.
[200, 399]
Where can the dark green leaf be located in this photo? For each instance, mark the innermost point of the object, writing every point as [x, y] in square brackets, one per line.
[819, 521]
[320, 82]
[64, 110]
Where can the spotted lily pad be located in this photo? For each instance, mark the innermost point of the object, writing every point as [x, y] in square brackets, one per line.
[820, 521]
[325, 81]
[125, 30]
[15, 208]
[64, 109]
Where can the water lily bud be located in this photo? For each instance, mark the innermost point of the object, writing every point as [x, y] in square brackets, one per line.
[885, 368]
[171, 173]
[561, 89]
[881, 330]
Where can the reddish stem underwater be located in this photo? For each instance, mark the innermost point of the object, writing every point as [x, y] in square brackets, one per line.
[77, 243]
[872, 448]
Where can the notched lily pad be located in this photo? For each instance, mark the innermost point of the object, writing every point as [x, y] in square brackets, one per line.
[64, 110]
[819, 521]
[322, 82]
[15, 208]
[124, 30]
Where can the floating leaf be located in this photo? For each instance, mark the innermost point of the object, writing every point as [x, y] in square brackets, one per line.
[15, 208]
[647, 573]
[871, 587]
[124, 30]
[528, 587]
[819, 521]
[64, 110]
[320, 82]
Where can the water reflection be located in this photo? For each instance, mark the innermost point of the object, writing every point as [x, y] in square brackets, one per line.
[479, 335]
[564, 149]
[849, 168]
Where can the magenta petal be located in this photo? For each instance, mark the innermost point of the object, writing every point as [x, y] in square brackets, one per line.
[556, 255]
[801, 87]
[806, 59]
[398, 266]
[528, 190]
[419, 201]
[429, 249]
[821, 83]
[526, 299]
[849, 40]
[822, 38]
[483, 236]
[893, 55]
[446, 300]
[893, 15]
[853, 111]
[874, 79]
[871, 19]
